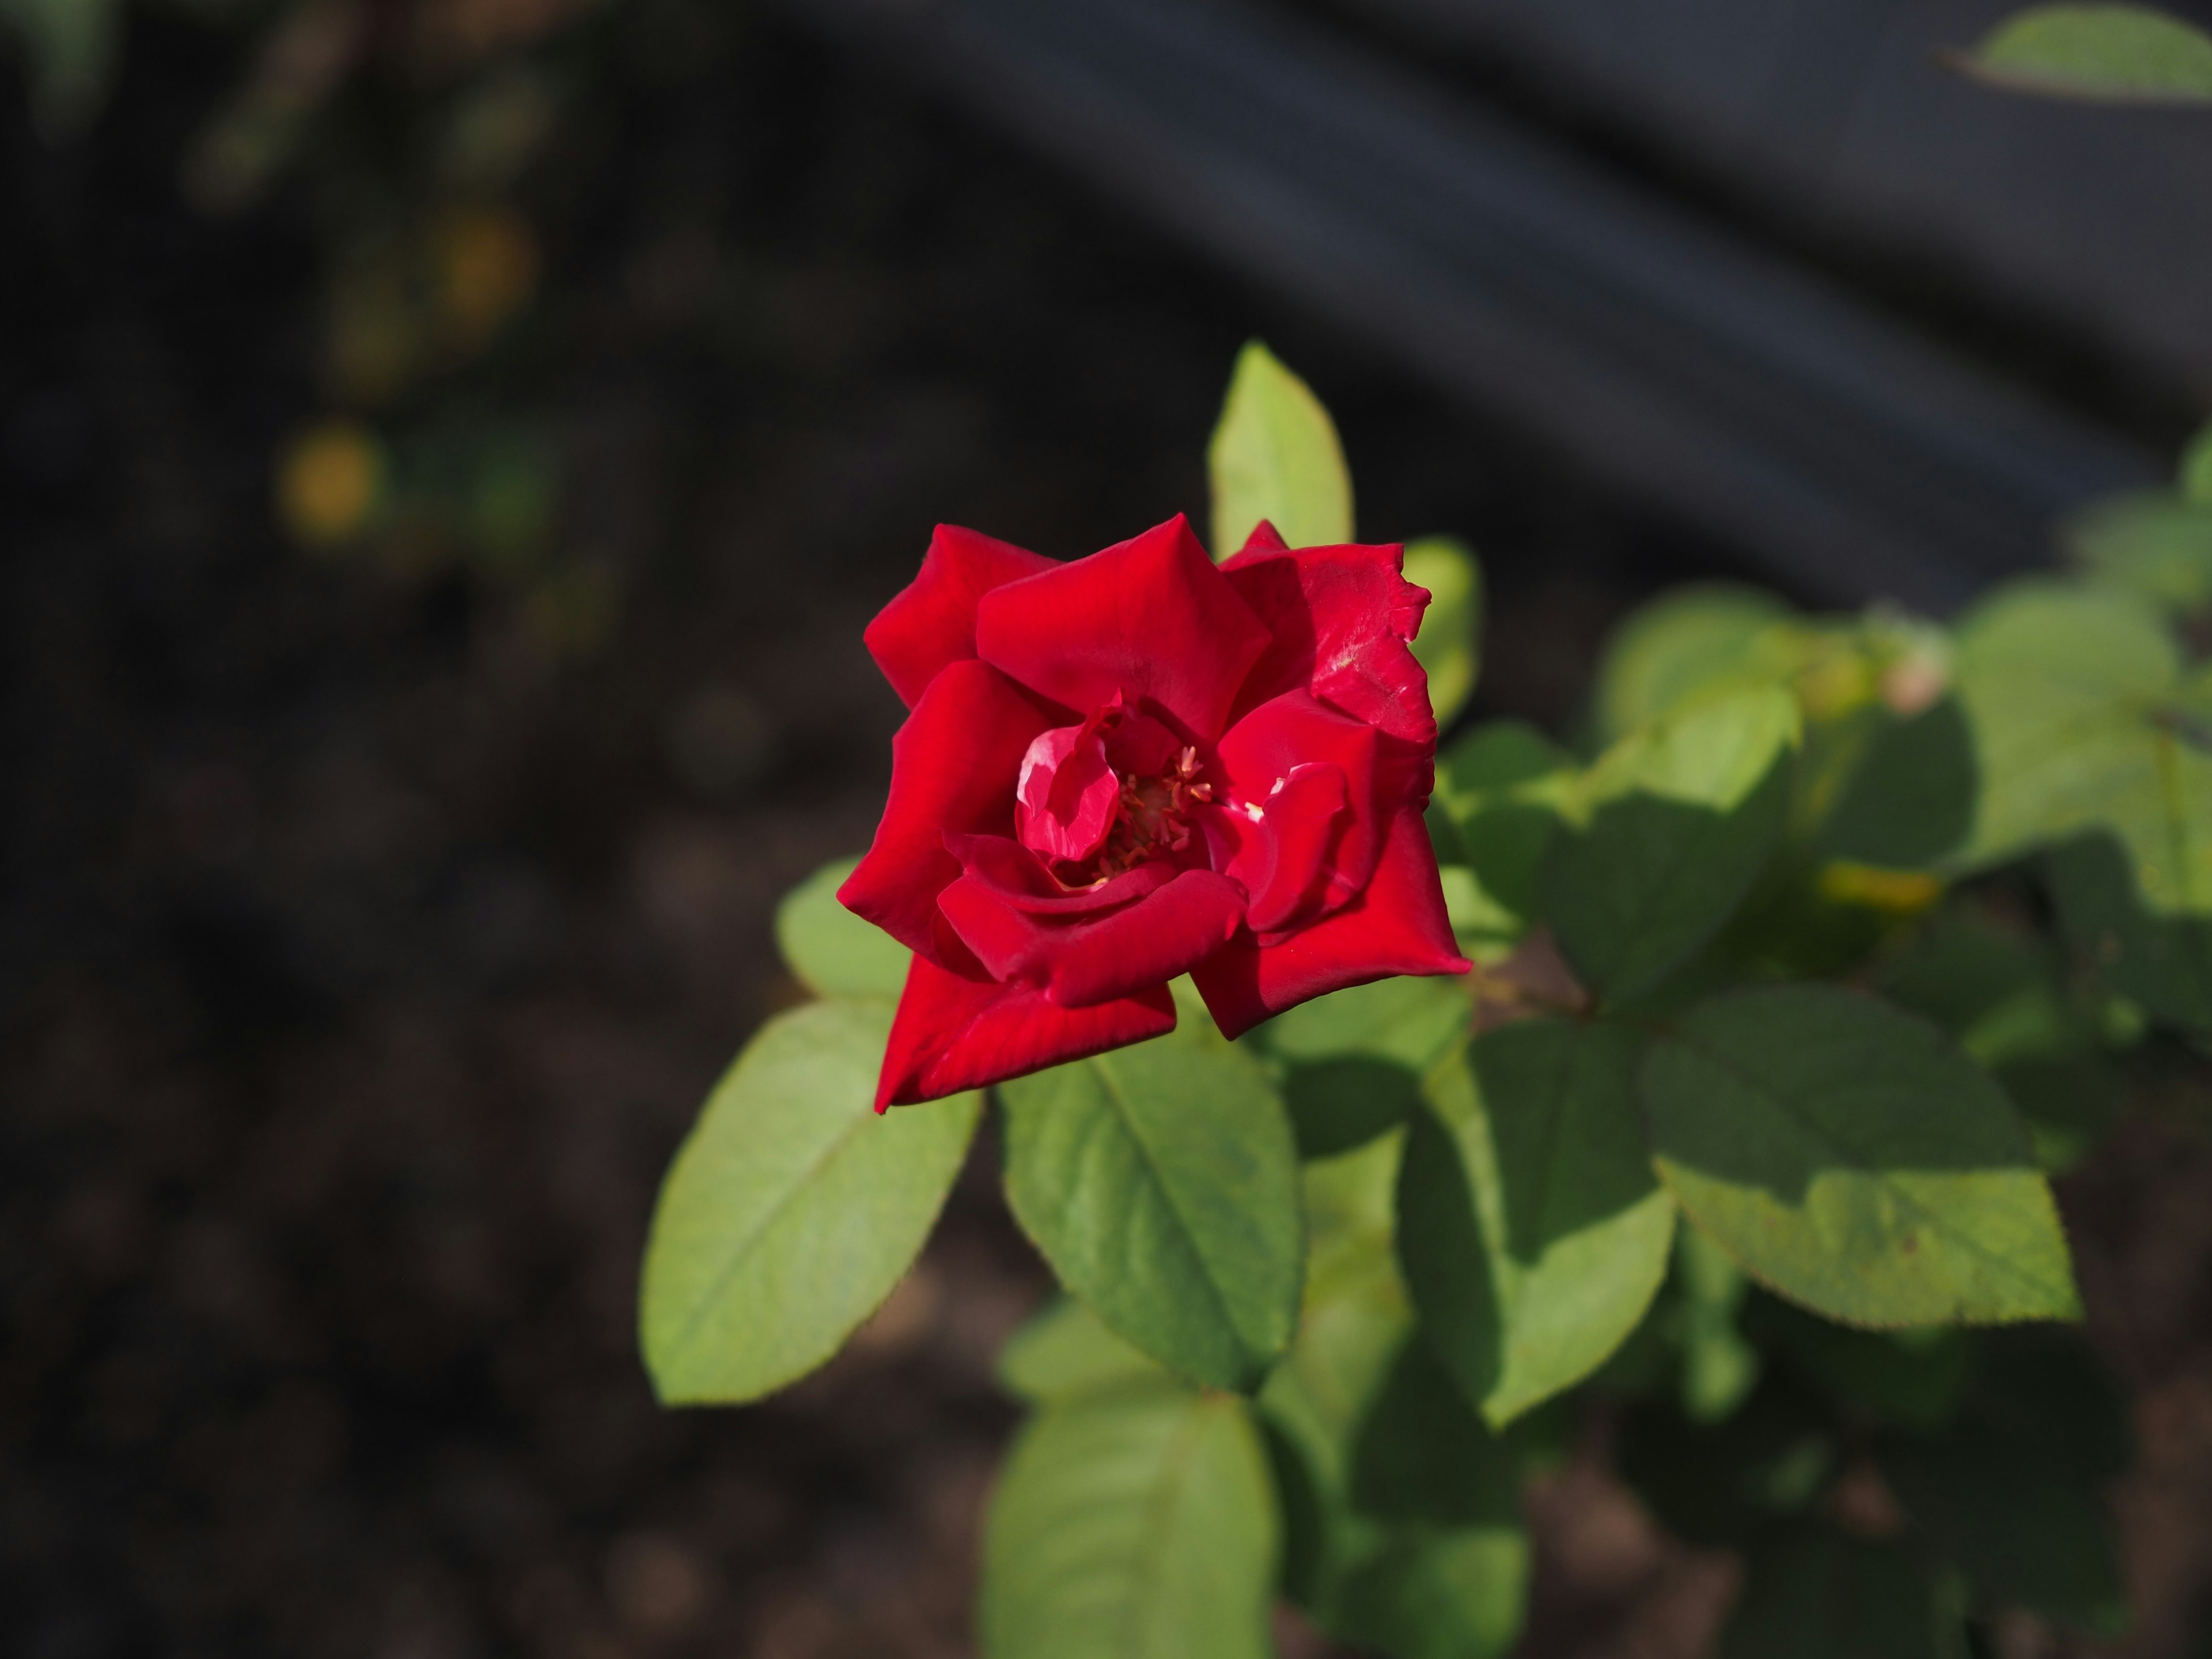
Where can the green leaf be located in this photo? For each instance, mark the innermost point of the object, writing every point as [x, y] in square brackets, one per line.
[1275, 456]
[2163, 961]
[1137, 1525]
[1847, 1155]
[1909, 800]
[1449, 645]
[2129, 54]
[1161, 1183]
[791, 1209]
[1530, 1228]
[1502, 788]
[1688, 644]
[1677, 822]
[2152, 543]
[1352, 1061]
[2083, 721]
[1064, 1352]
[1719, 1368]
[1812, 1592]
[2194, 476]
[1913, 1379]
[833, 951]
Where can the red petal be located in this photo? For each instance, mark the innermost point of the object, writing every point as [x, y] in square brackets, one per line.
[1151, 618]
[1340, 618]
[1012, 874]
[953, 1033]
[1079, 963]
[953, 766]
[1264, 538]
[1066, 797]
[1290, 862]
[1397, 926]
[931, 623]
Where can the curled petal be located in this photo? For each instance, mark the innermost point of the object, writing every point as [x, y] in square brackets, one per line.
[1149, 617]
[1397, 926]
[931, 623]
[1012, 875]
[953, 767]
[953, 1032]
[1303, 848]
[1081, 961]
[1339, 619]
[1066, 797]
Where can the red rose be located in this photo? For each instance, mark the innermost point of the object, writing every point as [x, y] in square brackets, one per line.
[1138, 765]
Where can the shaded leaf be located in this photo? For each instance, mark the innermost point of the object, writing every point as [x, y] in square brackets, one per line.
[1676, 821]
[2161, 961]
[2152, 543]
[1450, 644]
[1352, 1061]
[1719, 1368]
[1915, 1379]
[1723, 1484]
[1530, 1228]
[791, 1209]
[2123, 53]
[1275, 456]
[1133, 1525]
[1909, 800]
[1501, 789]
[1161, 1183]
[1847, 1155]
[834, 952]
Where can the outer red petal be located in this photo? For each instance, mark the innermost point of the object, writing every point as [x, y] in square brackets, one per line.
[1151, 618]
[1079, 963]
[1340, 618]
[953, 1033]
[953, 767]
[931, 622]
[1398, 925]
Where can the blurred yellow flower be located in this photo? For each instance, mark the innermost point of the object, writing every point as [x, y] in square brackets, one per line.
[487, 271]
[329, 482]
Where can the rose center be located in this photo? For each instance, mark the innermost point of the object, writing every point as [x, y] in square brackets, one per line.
[1099, 798]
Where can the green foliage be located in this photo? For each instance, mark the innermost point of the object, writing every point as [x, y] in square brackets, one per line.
[2126, 54]
[1530, 1227]
[1786, 1001]
[1161, 1183]
[1672, 827]
[1132, 1524]
[833, 952]
[1449, 645]
[793, 1208]
[1275, 456]
[1848, 1155]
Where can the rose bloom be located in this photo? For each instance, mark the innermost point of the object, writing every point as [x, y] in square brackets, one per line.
[1137, 765]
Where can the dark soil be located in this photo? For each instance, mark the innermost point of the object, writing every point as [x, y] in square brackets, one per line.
[362, 960]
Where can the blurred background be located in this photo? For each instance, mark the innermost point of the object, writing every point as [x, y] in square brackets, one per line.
[451, 448]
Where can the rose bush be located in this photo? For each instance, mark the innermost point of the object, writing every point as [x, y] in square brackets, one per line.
[1138, 765]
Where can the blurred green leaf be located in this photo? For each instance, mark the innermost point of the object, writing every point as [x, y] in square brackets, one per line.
[1676, 821]
[71, 44]
[1719, 1368]
[834, 952]
[1722, 1484]
[1352, 1061]
[1910, 800]
[791, 1209]
[2129, 54]
[1450, 644]
[2163, 961]
[1812, 1592]
[2081, 721]
[1913, 1379]
[1846, 1154]
[1686, 644]
[2193, 477]
[1161, 1183]
[1064, 1352]
[1530, 1228]
[1501, 789]
[1275, 456]
[2154, 543]
[1136, 1525]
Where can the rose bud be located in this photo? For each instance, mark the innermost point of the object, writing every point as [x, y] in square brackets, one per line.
[1137, 765]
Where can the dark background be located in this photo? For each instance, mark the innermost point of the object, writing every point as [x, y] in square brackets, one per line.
[368, 944]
